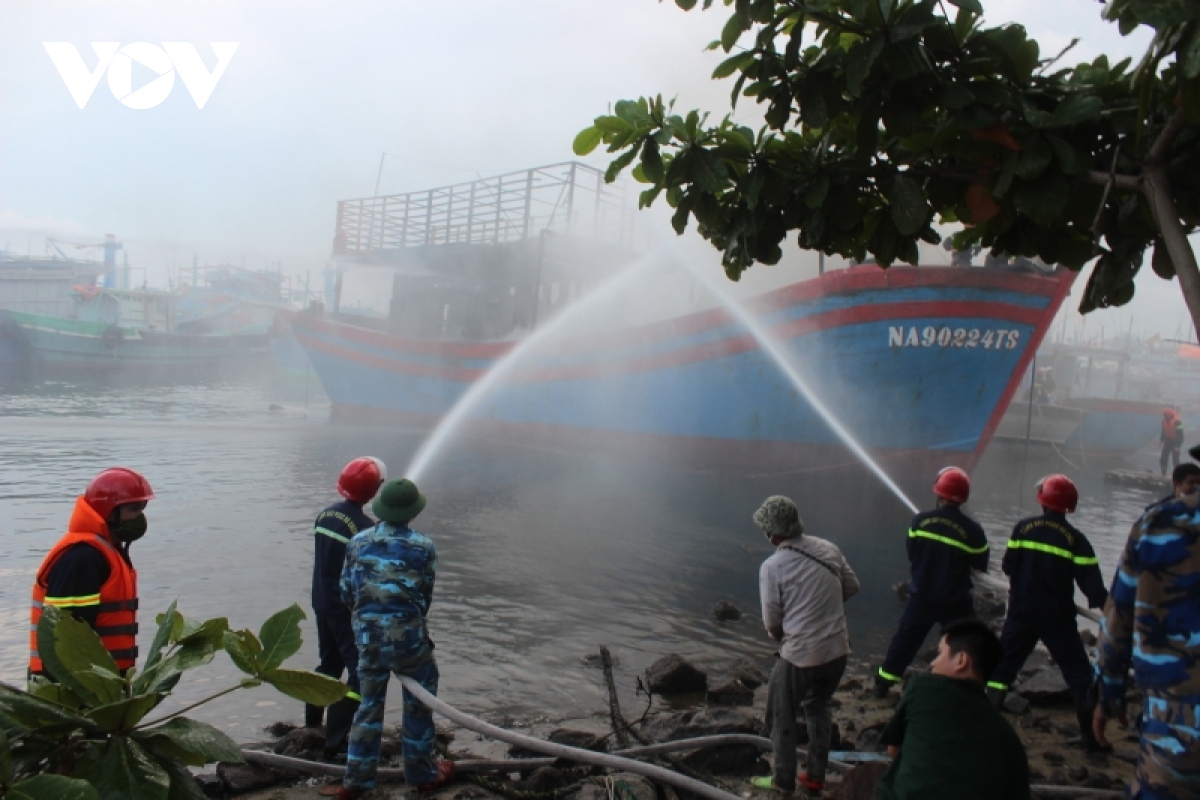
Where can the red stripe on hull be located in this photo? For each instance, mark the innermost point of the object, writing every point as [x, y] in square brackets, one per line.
[733, 345]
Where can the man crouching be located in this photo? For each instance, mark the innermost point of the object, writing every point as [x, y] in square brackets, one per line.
[803, 587]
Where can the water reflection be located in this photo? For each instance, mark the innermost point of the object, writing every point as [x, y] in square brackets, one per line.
[545, 552]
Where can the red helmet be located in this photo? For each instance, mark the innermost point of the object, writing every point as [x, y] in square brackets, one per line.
[360, 479]
[114, 487]
[952, 485]
[1057, 493]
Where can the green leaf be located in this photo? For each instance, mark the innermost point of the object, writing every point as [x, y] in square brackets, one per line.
[1044, 201]
[33, 712]
[52, 787]
[706, 171]
[686, 5]
[183, 784]
[6, 771]
[732, 65]
[1161, 261]
[195, 743]
[652, 165]
[54, 692]
[1072, 162]
[611, 124]
[910, 210]
[1036, 155]
[124, 714]
[1075, 109]
[587, 140]
[168, 621]
[310, 687]
[79, 649]
[973, 6]
[280, 637]
[621, 162]
[735, 26]
[125, 771]
[244, 650]
[46, 638]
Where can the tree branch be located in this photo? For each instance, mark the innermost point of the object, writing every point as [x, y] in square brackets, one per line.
[1165, 139]
[1131, 183]
[1157, 188]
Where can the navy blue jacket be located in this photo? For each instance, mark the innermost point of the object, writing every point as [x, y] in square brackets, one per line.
[334, 528]
[1046, 557]
[943, 546]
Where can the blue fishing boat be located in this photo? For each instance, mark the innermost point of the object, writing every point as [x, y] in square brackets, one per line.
[920, 363]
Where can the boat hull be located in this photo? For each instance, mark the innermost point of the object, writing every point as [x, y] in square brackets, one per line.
[919, 364]
[37, 342]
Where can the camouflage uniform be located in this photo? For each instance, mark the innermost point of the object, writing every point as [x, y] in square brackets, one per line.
[387, 583]
[1152, 623]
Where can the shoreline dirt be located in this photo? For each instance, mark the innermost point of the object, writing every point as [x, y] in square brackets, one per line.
[1043, 716]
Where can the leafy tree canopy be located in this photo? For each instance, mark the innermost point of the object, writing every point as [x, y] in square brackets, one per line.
[884, 117]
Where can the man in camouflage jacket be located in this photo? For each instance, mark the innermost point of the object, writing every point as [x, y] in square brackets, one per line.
[387, 583]
[1152, 623]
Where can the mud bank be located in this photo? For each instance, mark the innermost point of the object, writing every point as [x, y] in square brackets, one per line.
[1040, 712]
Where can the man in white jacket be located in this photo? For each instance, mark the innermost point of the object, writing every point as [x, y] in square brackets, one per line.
[803, 587]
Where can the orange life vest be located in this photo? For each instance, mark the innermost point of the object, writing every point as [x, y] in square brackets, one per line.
[116, 622]
[1172, 427]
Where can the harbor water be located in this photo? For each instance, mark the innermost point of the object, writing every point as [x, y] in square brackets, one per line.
[545, 552]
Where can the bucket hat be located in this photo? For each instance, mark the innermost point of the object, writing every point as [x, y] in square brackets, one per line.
[779, 516]
[398, 501]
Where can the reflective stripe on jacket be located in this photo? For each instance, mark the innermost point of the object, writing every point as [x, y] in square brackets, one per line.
[943, 546]
[117, 601]
[1046, 557]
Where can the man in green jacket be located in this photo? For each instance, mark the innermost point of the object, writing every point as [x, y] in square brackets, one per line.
[945, 738]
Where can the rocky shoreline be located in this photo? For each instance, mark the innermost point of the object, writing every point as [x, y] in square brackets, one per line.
[726, 698]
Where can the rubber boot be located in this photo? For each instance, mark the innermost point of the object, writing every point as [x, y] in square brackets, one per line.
[1085, 706]
[996, 697]
[337, 726]
[881, 687]
[313, 715]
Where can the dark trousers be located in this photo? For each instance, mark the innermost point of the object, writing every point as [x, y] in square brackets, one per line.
[789, 689]
[338, 653]
[915, 623]
[1061, 637]
[1170, 451]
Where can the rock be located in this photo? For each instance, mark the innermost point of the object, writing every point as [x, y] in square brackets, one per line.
[1098, 780]
[581, 739]
[902, 591]
[301, 743]
[1078, 773]
[1015, 704]
[673, 674]
[702, 722]
[730, 692]
[851, 685]
[1059, 778]
[989, 604]
[737, 759]
[589, 792]
[636, 787]
[868, 740]
[861, 782]
[545, 779]
[1053, 757]
[211, 784]
[726, 612]
[277, 730]
[749, 673]
[242, 778]
[1045, 687]
[1042, 724]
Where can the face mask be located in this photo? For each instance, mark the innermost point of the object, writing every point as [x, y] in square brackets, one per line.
[131, 530]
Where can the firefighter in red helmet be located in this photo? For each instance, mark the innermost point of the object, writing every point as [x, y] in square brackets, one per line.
[1046, 557]
[334, 528]
[944, 545]
[1170, 435]
[89, 572]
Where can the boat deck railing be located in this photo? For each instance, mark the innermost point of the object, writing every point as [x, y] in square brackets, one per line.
[568, 198]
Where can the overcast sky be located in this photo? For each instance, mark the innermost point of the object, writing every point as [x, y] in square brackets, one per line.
[316, 92]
